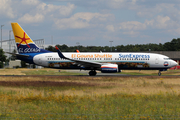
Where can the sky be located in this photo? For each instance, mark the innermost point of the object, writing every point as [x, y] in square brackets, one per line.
[93, 22]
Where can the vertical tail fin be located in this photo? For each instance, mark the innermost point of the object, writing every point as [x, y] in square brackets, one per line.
[23, 41]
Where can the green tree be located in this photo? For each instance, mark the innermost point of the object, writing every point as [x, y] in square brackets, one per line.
[23, 64]
[51, 48]
[174, 45]
[2, 58]
[167, 46]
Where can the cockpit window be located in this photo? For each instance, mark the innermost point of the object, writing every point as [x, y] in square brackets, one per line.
[167, 59]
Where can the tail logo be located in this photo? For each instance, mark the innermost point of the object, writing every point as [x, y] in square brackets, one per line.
[23, 40]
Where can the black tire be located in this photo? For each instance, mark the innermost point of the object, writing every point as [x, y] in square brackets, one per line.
[159, 73]
[92, 73]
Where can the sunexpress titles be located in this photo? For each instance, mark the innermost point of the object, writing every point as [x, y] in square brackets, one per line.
[136, 56]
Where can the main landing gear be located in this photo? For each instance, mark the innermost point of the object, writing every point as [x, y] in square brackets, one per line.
[92, 73]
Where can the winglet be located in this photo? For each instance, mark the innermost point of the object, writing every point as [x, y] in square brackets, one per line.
[60, 53]
[77, 51]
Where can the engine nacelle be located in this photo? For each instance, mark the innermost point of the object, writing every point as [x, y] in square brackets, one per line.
[109, 68]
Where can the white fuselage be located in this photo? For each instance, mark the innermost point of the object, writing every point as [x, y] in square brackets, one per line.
[125, 60]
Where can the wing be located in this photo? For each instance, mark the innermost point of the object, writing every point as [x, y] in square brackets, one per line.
[81, 62]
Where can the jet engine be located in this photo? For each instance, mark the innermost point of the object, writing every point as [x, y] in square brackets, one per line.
[109, 68]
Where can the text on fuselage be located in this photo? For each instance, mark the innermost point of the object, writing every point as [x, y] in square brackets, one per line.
[91, 56]
[134, 56]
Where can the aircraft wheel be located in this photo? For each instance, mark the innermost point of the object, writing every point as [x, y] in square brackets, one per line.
[92, 73]
[159, 73]
[95, 73]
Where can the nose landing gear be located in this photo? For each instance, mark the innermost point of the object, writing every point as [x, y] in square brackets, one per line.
[92, 73]
[159, 73]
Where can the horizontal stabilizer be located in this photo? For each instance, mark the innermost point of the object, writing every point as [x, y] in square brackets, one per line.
[18, 54]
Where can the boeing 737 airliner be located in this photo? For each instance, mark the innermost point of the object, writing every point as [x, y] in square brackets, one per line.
[99, 61]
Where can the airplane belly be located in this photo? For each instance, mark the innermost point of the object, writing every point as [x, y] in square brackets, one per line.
[63, 65]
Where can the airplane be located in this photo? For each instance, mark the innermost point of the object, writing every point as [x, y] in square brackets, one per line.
[106, 62]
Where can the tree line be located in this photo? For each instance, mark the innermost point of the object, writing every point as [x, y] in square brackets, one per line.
[174, 45]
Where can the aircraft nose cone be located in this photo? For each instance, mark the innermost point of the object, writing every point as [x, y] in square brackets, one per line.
[174, 63]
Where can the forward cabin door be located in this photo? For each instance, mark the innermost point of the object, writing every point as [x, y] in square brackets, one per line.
[157, 60]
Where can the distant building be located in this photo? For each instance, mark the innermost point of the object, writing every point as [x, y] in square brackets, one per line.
[15, 64]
